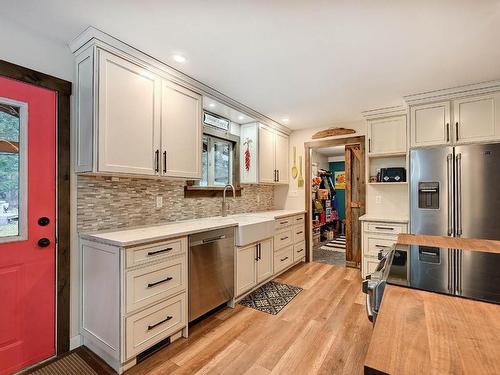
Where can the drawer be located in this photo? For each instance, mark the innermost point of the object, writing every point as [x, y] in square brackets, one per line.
[283, 238]
[154, 283]
[283, 223]
[299, 219]
[387, 228]
[283, 258]
[299, 251]
[376, 243]
[160, 250]
[299, 233]
[369, 265]
[146, 328]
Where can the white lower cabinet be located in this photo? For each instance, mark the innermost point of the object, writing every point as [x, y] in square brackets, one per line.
[378, 237]
[132, 297]
[254, 263]
[265, 260]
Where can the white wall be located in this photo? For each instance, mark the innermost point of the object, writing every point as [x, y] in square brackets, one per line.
[20, 46]
[296, 196]
[320, 159]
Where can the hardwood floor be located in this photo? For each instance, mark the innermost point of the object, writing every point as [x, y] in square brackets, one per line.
[324, 330]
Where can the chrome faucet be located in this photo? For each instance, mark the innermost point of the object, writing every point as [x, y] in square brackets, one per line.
[225, 205]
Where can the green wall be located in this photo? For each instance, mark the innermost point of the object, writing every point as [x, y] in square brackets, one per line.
[340, 197]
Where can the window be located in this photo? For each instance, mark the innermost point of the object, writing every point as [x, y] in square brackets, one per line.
[12, 169]
[217, 161]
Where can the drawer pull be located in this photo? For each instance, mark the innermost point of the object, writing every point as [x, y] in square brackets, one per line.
[284, 238]
[385, 228]
[299, 251]
[299, 232]
[159, 251]
[282, 260]
[383, 246]
[157, 324]
[159, 282]
[283, 222]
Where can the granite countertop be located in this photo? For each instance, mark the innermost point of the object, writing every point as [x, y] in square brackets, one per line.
[420, 332]
[134, 236]
[385, 219]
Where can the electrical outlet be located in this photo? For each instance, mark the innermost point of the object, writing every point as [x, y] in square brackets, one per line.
[378, 199]
[159, 201]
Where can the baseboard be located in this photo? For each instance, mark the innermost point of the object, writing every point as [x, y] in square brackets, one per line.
[75, 342]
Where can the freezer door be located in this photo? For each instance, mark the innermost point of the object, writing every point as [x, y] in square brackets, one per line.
[478, 191]
[431, 191]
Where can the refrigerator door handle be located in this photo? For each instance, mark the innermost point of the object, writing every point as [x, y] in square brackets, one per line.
[450, 193]
[458, 185]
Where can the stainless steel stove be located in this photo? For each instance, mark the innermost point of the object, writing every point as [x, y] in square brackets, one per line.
[462, 273]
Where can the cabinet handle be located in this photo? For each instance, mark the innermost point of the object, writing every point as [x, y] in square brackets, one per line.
[283, 222]
[257, 252]
[369, 145]
[384, 228]
[447, 132]
[159, 282]
[160, 322]
[157, 160]
[382, 247]
[164, 161]
[282, 260]
[299, 232]
[299, 251]
[159, 251]
[456, 131]
[278, 175]
[283, 238]
[260, 251]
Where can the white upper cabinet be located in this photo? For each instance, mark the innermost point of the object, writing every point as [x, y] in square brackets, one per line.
[266, 155]
[129, 116]
[181, 131]
[477, 118]
[281, 145]
[387, 135]
[430, 124]
[131, 120]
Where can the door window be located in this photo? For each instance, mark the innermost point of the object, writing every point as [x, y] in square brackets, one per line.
[12, 170]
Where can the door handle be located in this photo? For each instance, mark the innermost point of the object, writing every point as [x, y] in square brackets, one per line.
[459, 193]
[449, 166]
[43, 242]
[157, 160]
[164, 161]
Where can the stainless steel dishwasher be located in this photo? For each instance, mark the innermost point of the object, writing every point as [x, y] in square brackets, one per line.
[211, 270]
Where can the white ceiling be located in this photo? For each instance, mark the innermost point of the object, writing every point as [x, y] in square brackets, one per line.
[316, 62]
[331, 151]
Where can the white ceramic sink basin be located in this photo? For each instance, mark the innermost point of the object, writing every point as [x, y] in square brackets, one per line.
[252, 229]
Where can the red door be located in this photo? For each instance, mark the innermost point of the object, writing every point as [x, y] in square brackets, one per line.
[27, 224]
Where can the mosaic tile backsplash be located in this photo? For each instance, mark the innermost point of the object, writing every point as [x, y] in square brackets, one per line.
[105, 204]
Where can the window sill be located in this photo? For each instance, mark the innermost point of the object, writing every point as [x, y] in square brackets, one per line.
[209, 191]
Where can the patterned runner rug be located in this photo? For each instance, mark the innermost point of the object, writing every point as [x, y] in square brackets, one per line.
[271, 297]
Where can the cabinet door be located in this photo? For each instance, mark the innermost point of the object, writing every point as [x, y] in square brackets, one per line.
[477, 118]
[387, 135]
[281, 155]
[246, 275]
[181, 130]
[265, 262]
[266, 155]
[129, 117]
[430, 124]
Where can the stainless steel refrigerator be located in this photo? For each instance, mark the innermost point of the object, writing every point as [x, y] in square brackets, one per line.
[455, 191]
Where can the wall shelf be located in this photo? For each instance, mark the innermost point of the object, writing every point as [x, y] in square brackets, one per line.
[387, 155]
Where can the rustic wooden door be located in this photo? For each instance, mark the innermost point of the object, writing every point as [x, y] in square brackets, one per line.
[355, 201]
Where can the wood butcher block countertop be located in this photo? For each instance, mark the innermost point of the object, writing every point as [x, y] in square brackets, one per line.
[420, 332]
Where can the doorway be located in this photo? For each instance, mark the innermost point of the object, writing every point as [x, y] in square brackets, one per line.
[335, 199]
[34, 217]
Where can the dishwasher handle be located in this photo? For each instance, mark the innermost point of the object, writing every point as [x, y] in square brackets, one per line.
[209, 240]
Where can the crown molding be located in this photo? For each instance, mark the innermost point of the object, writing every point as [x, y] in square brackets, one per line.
[453, 92]
[95, 37]
[399, 110]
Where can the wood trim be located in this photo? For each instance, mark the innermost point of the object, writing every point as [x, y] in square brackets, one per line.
[308, 146]
[63, 89]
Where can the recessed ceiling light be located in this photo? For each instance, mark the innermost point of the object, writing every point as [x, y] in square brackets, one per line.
[285, 119]
[211, 105]
[180, 59]
[241, 117]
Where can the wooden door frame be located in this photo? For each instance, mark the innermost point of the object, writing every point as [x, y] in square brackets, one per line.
[62, 89]
[308, 147]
